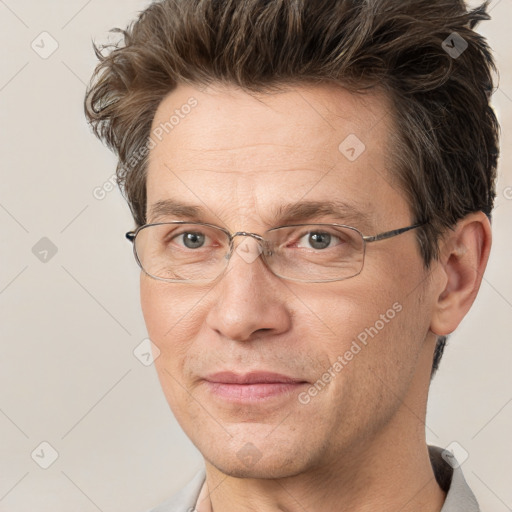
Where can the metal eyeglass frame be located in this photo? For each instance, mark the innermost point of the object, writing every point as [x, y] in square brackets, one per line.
[131, 236]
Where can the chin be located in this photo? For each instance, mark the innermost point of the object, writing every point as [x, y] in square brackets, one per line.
[248, 461]
[263, 469]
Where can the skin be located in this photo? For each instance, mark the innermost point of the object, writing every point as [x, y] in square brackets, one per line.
[359, 444]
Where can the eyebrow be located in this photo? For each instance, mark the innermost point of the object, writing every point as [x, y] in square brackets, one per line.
[307, 210]
[281, 215]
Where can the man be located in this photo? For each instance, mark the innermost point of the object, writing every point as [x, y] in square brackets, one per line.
[312, 184]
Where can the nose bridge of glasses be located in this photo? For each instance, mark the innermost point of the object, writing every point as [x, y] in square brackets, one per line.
[259, 238]
[258, 247]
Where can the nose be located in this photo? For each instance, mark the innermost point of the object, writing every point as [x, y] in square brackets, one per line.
[249, 299]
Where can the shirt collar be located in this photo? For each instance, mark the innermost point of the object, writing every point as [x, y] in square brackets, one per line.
[459, 497]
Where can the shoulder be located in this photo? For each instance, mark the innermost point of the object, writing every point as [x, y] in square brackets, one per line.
[185, 499]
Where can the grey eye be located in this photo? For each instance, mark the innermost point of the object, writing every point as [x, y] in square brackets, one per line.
[319, 240]
[193, 240]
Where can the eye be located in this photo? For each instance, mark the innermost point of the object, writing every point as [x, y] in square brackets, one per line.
[191, 239]
[318, 240]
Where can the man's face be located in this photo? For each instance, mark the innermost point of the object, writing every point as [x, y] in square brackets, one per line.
[240, 158]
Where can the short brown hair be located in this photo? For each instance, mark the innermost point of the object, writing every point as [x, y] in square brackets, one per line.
[446, 148]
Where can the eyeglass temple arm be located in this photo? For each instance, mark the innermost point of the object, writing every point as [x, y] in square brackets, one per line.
[392, 233]
[130, 235]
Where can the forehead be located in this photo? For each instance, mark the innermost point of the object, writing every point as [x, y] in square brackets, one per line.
[239, 154]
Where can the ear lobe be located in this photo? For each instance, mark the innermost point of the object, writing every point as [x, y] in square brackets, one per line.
[464, 256]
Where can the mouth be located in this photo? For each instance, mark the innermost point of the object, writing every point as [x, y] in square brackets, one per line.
[252, 387]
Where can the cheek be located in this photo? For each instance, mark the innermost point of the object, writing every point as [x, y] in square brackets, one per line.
[171, 320]
[155, 308]
[375, 328]
[172, 327]
[347, 311]
[373, 357]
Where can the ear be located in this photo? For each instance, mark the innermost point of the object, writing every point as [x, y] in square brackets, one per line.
[464, 254]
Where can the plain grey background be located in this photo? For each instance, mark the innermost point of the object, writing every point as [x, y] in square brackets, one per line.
[69, 305]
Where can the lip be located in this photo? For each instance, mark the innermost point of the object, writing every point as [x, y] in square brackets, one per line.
[251, 378]
[252, 386]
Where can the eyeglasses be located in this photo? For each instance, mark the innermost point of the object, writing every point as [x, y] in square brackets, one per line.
[196, 252]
